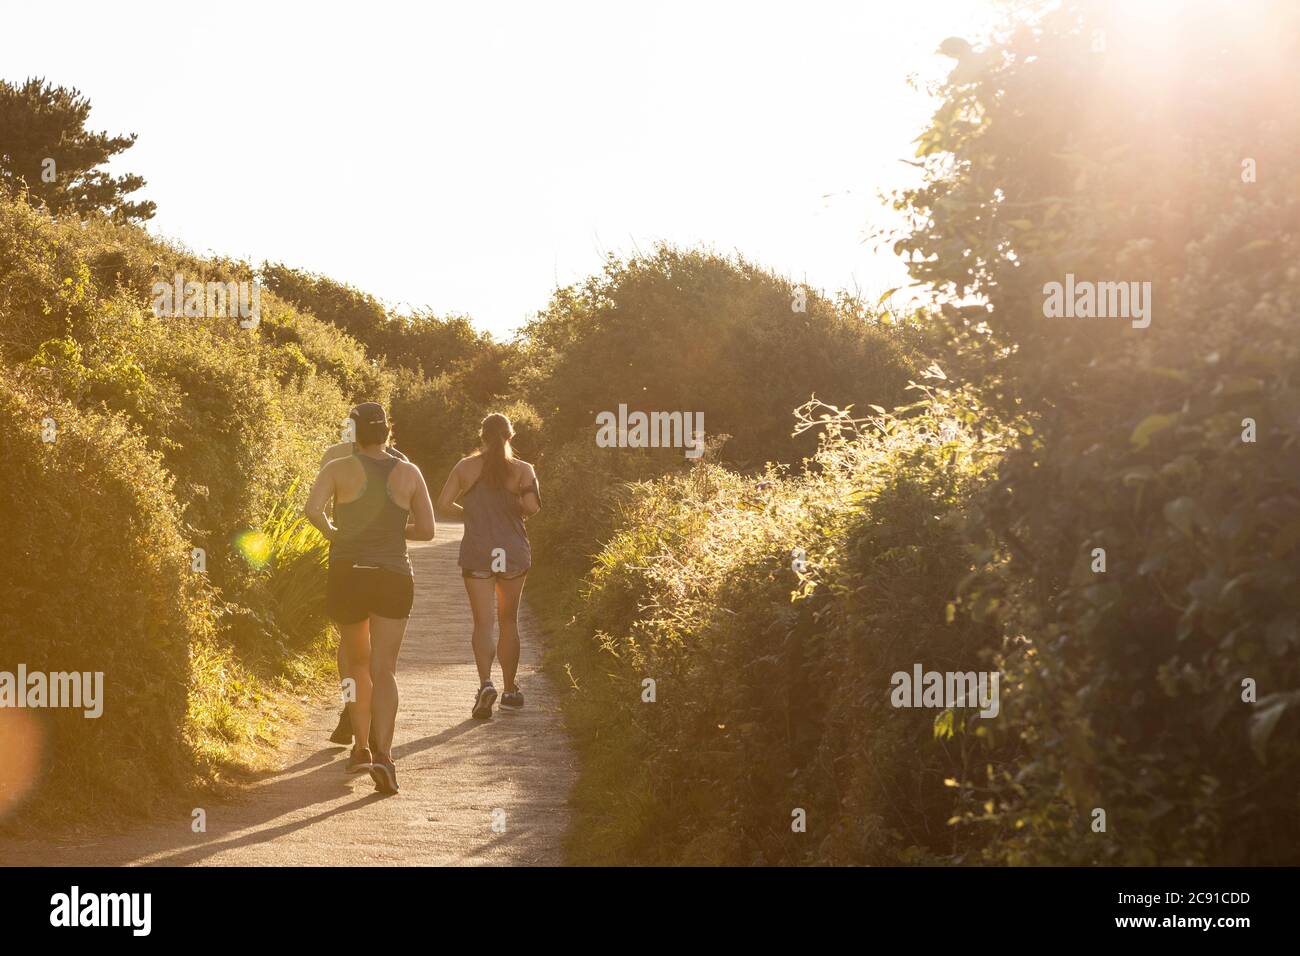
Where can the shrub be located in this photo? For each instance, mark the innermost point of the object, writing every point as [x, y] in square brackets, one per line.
[97, 578]
[1045, 159]
[421, 342]
[223, 420]
[689, 330]
[773, 684]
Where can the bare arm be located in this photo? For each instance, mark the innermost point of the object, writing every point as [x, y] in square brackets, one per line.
[338, 450]
[334, 453]
[530, 500]
[450, 492]
[318, 499]
[421, 525]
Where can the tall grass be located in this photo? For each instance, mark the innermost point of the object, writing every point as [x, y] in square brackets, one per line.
[172, 434]
[771, 672]
[281, 651]
[299, 561]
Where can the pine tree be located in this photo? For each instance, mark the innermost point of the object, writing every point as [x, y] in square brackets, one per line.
[46, 149]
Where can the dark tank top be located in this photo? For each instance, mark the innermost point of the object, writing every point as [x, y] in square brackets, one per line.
[492, 520]
[372, 529]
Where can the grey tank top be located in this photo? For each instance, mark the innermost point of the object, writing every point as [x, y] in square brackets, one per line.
[492, 521]
[372, 529]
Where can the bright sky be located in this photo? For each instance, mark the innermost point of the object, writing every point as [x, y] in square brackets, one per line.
[470, 157]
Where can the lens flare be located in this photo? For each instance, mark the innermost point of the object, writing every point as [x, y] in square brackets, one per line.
[255, 547]
[20, 756]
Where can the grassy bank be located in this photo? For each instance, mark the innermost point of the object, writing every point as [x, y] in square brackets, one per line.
[722, 660]
[1109, 522]
[130, 439]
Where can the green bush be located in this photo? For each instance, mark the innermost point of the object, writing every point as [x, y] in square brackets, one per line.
[421, 342]
[773, 683]
[230, 419]
[98, 578]
[1045, 158]
[434, 424]
[447, 375]
[237, 414]
[693, 331]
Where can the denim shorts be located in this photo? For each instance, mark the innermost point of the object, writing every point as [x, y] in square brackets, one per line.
[486, 575]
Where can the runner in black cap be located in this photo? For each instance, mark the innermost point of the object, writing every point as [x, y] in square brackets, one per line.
[344, 449]
[379, 502]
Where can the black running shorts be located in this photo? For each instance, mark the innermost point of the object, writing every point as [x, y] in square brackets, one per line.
[353, 593]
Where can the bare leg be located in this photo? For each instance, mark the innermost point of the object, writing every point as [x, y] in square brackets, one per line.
[343, 668]
[386, 635]
[508, 595]
[480, 593]
[356, 639]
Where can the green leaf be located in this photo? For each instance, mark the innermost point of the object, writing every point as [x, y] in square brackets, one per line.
[1182, 514]
[934, 372]
[1256, 244]
[943, 725]
[1268, 712]
[1174, 374]
[1148, 427]
[1238, 385]
[1136, 476]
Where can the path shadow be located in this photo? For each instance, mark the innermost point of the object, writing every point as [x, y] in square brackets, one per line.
[284, 805]
[289, 791]
[321, 757]
[316, 779]
[194, 855]
[412, 747]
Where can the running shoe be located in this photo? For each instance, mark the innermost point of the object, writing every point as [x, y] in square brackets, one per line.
[384, 773]
[343, 732]
[513, 698]
[359, 760]
[483, 701]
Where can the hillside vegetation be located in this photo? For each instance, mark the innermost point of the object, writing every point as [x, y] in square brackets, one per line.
[167, 434]
[1109, 522]
[1101, 514]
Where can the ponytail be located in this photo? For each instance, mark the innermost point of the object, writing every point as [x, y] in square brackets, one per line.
[495, 434]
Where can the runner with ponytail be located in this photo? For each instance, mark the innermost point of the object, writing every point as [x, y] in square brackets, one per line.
[495, 492]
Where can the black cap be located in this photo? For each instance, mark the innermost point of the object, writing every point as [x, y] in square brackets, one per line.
[369, 413]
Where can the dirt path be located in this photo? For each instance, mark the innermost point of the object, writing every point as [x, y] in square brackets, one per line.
[457, 775]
